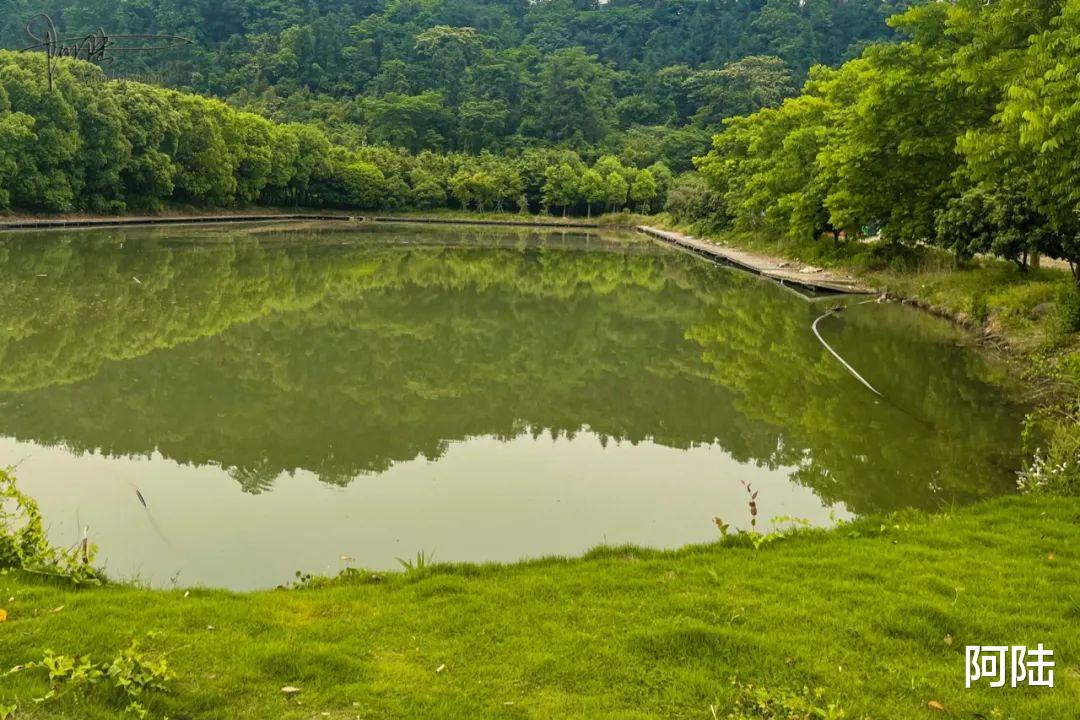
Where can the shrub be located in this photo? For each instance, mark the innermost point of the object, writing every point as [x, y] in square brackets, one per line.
[1070, 310]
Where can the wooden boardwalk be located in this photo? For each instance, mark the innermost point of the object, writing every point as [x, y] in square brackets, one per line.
[784, 272]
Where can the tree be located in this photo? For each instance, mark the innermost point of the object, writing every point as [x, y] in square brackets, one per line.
[644, 190]
[615, 190]
[592, 189]
[206, 168]
[427, 192]
[1037, 122]
[575, 98]
[363, 185]
[561, 186]
[740, 88]
[409, 121]
[451, 50]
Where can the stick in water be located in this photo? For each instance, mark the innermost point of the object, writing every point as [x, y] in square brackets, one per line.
[837, 355]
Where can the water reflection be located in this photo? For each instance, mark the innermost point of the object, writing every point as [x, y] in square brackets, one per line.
[272, 352]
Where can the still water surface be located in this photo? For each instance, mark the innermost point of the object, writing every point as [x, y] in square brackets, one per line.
[308, 398]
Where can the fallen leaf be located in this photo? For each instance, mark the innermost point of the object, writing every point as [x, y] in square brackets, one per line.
[1050, 557]
[948, 640]
[289, 690]
[3, 615]
[58, 609]
[935, 705]
[440, 668]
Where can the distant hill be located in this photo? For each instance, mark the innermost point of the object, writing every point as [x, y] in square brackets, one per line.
[487, 74]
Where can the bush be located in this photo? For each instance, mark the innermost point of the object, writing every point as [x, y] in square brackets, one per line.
[691, 200]
[1055, 466]
[1070, 310]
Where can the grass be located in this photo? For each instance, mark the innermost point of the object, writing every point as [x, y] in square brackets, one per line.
[874, 615]
[861, 614]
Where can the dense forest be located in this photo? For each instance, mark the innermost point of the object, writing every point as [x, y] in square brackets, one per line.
[963, 134]
[622, 76]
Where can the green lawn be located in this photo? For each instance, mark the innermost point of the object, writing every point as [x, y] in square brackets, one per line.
[860, 614]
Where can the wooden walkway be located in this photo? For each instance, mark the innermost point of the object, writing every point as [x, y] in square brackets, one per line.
[784, 272]
[77, 222]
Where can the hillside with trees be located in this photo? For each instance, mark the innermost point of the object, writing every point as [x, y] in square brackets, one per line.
[644, 79]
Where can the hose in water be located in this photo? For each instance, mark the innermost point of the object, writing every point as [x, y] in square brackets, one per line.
[836, 355]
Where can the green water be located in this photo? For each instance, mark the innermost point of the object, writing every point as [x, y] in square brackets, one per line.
[311, 397]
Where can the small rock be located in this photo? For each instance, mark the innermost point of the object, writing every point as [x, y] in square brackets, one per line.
[1041, 310]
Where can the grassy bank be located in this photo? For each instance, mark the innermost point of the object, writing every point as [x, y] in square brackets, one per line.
[1022, 308]
[873, 616]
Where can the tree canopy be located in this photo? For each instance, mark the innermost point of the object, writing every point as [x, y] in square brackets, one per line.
[962, 134]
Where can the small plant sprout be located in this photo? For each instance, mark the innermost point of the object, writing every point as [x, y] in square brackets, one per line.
[753, 504]
[422, 562]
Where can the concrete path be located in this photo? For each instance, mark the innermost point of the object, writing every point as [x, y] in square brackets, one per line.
[783, 271]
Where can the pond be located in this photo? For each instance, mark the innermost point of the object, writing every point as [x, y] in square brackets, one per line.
[226, 405]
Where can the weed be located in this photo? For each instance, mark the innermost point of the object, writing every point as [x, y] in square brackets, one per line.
[753, 505]
[423, 561]
[978, 308]
[128, 676]
[758, 539]
[757, 703]
[24, 544]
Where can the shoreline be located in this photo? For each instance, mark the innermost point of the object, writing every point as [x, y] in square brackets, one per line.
[31, 222]
[772, 268]
[702, 616]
